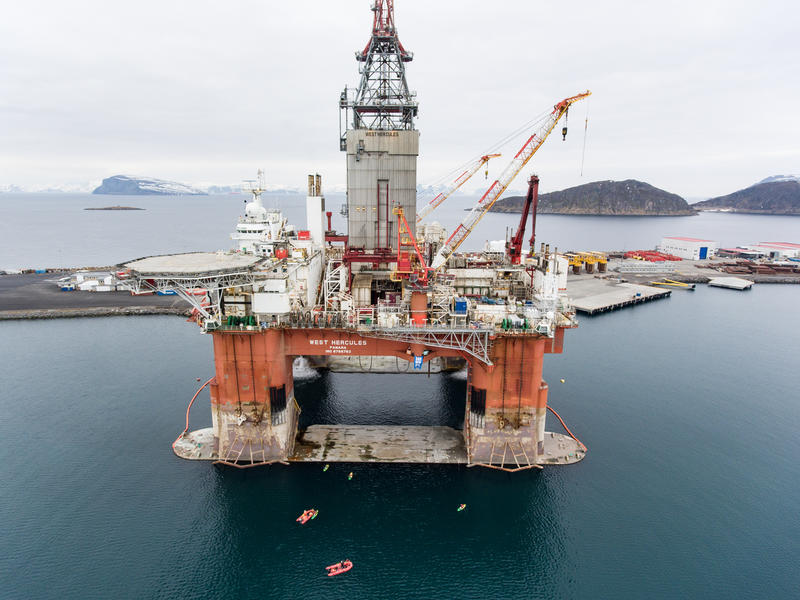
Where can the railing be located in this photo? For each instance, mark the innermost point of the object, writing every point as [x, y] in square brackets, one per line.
[397, 317]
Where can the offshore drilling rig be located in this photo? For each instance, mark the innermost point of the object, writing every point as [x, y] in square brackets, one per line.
[392, 285]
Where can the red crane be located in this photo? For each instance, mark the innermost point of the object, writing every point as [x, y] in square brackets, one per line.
[471, 169]
[514, 246]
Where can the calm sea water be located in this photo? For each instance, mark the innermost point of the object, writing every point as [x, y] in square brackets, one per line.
[691, 487]
[53, 230]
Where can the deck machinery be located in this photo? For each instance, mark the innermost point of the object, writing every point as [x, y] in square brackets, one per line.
[283, 293]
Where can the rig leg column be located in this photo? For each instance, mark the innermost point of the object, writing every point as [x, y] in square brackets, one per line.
[253, 409]
[508, 403]
[419, 308]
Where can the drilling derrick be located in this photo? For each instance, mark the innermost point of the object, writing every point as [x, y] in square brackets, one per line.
[380, 140]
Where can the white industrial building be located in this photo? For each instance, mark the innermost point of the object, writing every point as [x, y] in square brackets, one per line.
[688, 248]
[776, 250]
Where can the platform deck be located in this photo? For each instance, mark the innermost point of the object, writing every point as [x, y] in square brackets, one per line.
[380, 444]
[372, 443]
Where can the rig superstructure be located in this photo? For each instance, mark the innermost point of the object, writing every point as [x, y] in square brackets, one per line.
[390, 286]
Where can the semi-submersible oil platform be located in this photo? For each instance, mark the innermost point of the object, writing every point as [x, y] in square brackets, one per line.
[391, 286]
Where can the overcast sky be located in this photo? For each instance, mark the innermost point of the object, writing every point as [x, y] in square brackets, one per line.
[696, 97]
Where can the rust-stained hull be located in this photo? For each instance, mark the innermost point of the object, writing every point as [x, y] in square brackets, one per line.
[255, 414]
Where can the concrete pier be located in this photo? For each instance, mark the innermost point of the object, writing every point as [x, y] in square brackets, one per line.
[593, 295]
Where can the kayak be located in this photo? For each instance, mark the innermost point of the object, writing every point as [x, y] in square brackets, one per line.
[461, 507]
[340, 567]
[350, 476]
[307, 515]
[325, 468]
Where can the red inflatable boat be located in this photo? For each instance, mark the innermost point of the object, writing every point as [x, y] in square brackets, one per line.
[340, 567]
[307, 515]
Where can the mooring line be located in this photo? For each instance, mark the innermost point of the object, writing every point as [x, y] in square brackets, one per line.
[188, 408]
[550, 408]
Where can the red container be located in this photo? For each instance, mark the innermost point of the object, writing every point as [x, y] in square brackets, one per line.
[304, 235]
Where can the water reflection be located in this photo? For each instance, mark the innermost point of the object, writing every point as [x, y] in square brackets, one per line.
[398, 523]
[381, 399]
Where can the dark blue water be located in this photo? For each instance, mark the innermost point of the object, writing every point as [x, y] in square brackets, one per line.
[53, 230]
[691, 487]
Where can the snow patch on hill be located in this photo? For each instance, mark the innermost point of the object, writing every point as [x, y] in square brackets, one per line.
[774, 178]
[131, 184]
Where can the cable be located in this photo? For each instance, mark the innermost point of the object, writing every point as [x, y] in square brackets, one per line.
[585, 131]
[188, 408]
[550, 408]
[491, 150]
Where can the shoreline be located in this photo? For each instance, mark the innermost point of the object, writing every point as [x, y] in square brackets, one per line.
[34, 296]
[95, 311]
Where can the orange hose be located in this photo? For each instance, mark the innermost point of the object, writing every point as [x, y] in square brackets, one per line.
[565, 427]
[188, 408]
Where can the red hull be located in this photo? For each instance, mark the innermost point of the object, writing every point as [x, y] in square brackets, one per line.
[339, 568]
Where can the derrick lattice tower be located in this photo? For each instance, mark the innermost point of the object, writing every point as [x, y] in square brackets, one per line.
[380, 140]
[382, 100]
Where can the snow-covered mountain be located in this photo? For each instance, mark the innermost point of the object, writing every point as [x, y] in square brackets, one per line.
[131, 185]
[62, 188]
[134, 185]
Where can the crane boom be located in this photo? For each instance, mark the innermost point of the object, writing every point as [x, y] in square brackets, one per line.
[473, 168]
[514, 246]
[486, 202]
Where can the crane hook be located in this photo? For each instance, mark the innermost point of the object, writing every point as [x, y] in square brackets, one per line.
[564, 133]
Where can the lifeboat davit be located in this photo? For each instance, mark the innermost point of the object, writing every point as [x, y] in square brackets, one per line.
[340, 567]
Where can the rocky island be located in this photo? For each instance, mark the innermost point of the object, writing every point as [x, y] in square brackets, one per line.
[777, 195]
[618, 198]
[128, 185]
[113, 208]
